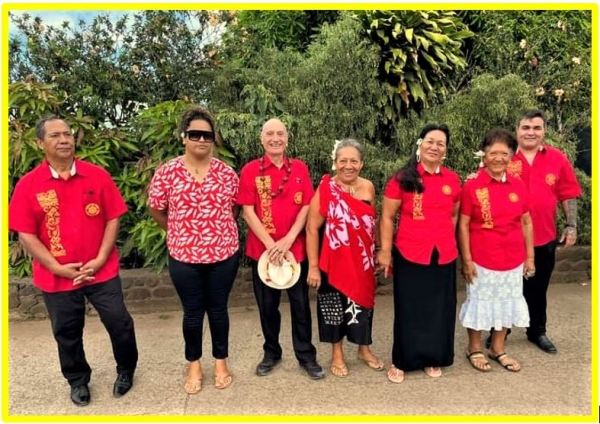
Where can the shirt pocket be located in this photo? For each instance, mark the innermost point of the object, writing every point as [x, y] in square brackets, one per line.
[91, 203]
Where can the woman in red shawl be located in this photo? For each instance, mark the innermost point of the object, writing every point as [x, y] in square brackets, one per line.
[344, 270]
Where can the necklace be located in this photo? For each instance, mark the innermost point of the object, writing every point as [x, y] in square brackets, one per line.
[286, 177]
[350, 189]
[196, 171]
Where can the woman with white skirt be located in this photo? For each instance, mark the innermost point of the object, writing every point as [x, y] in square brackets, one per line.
[496, 243]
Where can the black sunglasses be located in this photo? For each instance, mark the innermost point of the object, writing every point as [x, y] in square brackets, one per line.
[196, 135]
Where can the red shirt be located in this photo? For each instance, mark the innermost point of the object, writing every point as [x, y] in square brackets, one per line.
[200, 223]
[278, 213]
[425, 219]
[550, 179]
[495, 230]
[69, 217]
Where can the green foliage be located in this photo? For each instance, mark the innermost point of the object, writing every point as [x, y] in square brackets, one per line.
[418, 50]
[548, 49]
[254, 30]
[111, 69]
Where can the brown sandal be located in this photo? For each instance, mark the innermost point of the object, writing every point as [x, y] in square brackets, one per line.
[473, 356]
[193, 387]
[223, 381]
[512, 365]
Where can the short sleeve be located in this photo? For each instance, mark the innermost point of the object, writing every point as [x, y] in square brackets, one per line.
[235, 181]
[393, 189]
[114, 205]
[458, 189]
[247, 187]
[20, 213]
[307, 189]
[567, 186]
[466, 204]
[157, 193]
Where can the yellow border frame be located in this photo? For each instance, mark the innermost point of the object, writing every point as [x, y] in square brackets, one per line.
[594, 413]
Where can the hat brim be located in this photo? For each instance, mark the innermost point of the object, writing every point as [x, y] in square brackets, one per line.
[264, 266]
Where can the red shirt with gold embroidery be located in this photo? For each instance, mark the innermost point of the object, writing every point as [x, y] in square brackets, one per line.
[201, 227]
[425, 219]
[550, 179]
[69, 217]
[278, 213]
[495, 230]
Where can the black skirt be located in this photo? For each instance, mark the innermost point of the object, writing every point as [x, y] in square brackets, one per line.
[424, 313]
[339, 316]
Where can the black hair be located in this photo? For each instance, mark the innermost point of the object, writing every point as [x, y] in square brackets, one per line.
[201, 114]
[498, 135]
[531, 114]
[407, 176]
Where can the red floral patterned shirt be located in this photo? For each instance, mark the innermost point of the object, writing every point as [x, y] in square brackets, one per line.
[201, 227]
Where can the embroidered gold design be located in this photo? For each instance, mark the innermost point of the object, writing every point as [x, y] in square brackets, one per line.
[48, 201]
[513, 197]
[447, 190]
[418, 206]
[550, 179]
[263, 186]
[92, 209]
[483, 196]
[298, 198]
[515, 168]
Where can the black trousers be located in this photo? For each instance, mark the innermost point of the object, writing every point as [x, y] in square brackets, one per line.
[67, 316]
[204, 289]
[536, 287]
[268, 300]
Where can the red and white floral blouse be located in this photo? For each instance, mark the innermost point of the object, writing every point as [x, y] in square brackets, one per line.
[201, 227]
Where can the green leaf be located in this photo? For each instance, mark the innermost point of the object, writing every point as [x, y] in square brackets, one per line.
[408, 32]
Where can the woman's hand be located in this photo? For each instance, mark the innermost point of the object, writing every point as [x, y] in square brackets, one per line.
[529, 268]
[384, 260]
[314, 277]
[469, 271]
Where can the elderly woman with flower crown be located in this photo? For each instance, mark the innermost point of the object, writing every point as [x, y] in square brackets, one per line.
[344, 270]
[496, 242]
[425, 195]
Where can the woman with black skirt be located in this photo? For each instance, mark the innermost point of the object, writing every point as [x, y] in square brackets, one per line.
[425, 195]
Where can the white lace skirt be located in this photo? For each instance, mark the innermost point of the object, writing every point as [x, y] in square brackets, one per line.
[495, 300]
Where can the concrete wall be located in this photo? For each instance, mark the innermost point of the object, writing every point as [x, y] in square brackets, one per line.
[148, 291]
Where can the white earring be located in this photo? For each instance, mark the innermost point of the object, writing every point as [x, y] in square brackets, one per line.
[418, 155]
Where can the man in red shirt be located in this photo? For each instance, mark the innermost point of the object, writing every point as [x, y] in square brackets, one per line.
[66, 212]
[550, 180]
[275, 193]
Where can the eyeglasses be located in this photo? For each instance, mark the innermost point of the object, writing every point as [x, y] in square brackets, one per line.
[196, 135]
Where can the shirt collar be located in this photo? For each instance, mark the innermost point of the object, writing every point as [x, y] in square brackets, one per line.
[422, 171]
[55, 175]
[267, 162]
[488, 178]
[542, 148]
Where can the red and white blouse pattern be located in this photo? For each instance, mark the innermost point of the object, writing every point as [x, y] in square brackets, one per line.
[201, 227]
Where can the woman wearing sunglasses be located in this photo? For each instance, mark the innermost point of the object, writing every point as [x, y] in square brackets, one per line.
[192, 197]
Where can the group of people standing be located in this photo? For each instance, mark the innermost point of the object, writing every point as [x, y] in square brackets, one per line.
[501, 221]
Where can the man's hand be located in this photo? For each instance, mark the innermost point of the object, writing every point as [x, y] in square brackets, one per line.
[73, 271]
[568, 237]
[278, 250]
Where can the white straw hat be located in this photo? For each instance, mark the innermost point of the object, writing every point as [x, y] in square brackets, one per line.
[279, 277]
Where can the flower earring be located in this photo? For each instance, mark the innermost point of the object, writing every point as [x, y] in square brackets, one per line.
[418, 152]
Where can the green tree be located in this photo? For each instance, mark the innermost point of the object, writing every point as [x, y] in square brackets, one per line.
[112, 69]
[549, 49]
